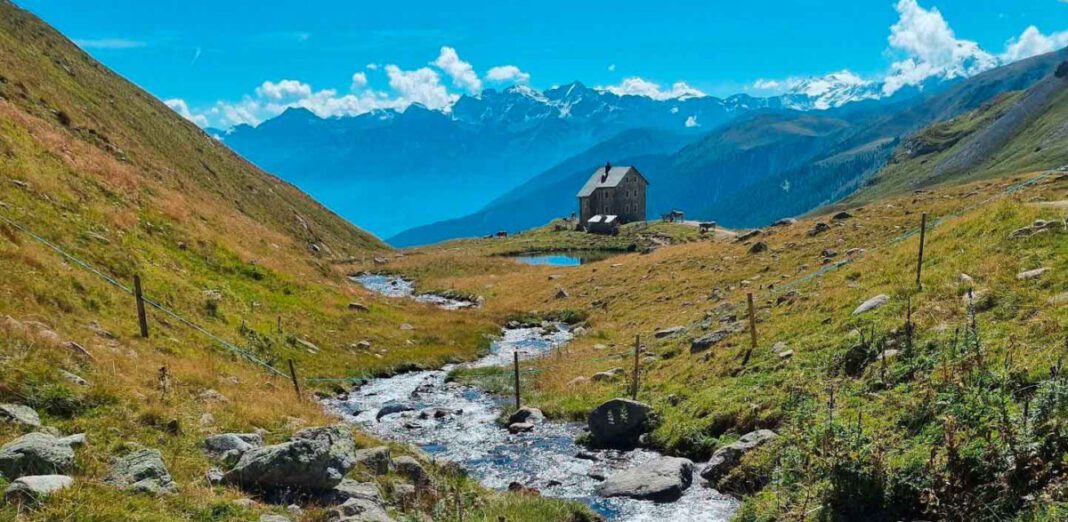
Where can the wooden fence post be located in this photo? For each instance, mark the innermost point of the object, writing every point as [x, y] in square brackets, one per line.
[515, 358]
[752, 331]
[637, 369]
[919, 259]
[142, 320]
[296, 383]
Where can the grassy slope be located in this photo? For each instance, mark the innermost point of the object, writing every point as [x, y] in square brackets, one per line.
[110, 174]
[672, 286]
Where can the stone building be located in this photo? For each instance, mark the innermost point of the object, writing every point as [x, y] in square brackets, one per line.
[613, 191]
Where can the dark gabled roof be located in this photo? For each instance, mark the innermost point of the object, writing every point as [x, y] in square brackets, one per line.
[615, 175]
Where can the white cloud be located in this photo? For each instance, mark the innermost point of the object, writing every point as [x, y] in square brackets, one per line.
[1032, 43]
[507, 73]
[109, 43]
[359, 80]
[461, 72]
[284, 89]
[612, 67]
[178, 105]
[372, 66]
[636, 86]
[930, 48]
[767, 85]
[422, 86]
[692, 122]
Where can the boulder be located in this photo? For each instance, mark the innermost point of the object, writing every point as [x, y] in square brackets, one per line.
[784, 222]
[19, 414]
[668, 332]
[561, 294]
[411, 469]
[392, 408]
[315, 459]
[72, 378]
[33, 488]
[520, 427]
[358, 510]
[376, 459]
[229, 447]
[1031, 274]
[618, 423]
[142, 471]
[819, 228]
[526, 414]
[662, 479]
[841, 216]
[758, 247]
[349, 488]
[748, 235]
[728, 457]
[872, 304]
[359, 307]
[37, 454]
[709, 340]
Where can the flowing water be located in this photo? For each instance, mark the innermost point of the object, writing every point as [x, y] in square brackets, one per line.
[458, 423]
[395, 286]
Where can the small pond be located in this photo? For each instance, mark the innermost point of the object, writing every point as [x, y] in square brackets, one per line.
[564, 258]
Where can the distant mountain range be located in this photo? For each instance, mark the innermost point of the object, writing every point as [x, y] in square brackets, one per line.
[513, 159]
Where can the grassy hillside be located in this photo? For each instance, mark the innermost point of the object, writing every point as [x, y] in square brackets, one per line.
[928, 419]
[95, 167]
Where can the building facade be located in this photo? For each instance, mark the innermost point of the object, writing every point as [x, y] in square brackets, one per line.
[613, 191]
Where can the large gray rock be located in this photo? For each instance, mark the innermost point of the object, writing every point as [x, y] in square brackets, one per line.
[230, 447]
[19, 414]
[316, 459]
[33, 488]
[37, 454]
[358, 510]
[352, 489]
[376, 459]
[872, 304]
[662, 479]
[411, 469]
[142, 471]
[707, 341]
[728, 457]
[526, 414]
[618, 423]
[392, 408]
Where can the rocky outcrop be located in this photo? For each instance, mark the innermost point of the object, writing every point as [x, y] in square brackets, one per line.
[34, 488]
[358, 510]
[663, 479]
[142, 471]
[618, 423]
[38, 454]
[709, 340]
[315, 459]
[728, 457]
[872, 304]
[411, 469]
[19, 414]
[669, 332]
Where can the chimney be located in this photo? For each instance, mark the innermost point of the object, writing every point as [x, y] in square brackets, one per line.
[607, 167]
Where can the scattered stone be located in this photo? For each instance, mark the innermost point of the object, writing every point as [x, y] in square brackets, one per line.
[142, 471]
[272, 517]
[829, 252]
[411, 469]
[1059, 299]
[561, 294]
[349, 488]
[358, 510]
[728, 457]
[406, 326]
[522, 489]
[210, 395]
[520, 427]
[19, 414]
[526, 414]
[819, 228]
[229, 447]
[359, 307]
[786, 354]
[708, 341]
[748, 235]
[72, 378]
[37, 454]
[78, 350]
[577, 381]
[758, 247]
[376, 459]
[34, 488]
[1031, 274]
[392, 408]
[618, 423]
[662, 479]
[872, 304]
[966, 279]
[308, 345]
[668, 332]
[315, 459]
[207, 419]
[788, 296]
[784, 222]
[214, 476]
[842, 216]
[856, 252]
[779, 347]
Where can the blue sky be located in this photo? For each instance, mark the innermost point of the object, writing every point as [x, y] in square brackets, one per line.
[222, 63]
